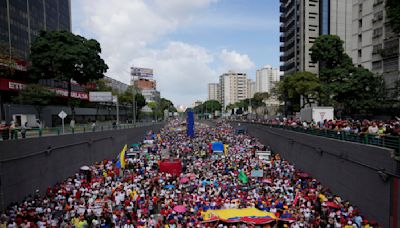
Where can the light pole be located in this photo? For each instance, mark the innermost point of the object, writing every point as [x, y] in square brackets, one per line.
[133, 105]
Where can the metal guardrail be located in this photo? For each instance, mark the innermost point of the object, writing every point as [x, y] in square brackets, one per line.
[55, 131]
[387, 141]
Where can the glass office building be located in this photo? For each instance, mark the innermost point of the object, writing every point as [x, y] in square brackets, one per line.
[22, 20]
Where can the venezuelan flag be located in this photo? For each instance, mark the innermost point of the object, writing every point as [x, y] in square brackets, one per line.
[121, 158]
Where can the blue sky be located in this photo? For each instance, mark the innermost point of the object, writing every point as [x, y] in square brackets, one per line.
[188, 43]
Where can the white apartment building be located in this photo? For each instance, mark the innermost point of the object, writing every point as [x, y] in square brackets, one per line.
[266, 77]
[233, 88]
[375, 46]
[251, 88]
[213, 92]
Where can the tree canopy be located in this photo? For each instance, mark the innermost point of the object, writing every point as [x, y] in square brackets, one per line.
[36, 95]
[167, 104]
[64, 56]
[393, 13]
[347, 87]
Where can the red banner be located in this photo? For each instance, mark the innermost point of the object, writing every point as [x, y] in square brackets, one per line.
[13, 85]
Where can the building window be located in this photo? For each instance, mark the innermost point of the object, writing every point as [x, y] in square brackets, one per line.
[376, 49]
[377, 65]
[359, 38]
[360, 7]
[391, 65]
[377, 32]
[325, 10]
[359, 53]
[360, 23]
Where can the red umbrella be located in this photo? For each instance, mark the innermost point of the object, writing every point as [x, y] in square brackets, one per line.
[332, 205]
[180, 209]
[303, 175]
[184, 180]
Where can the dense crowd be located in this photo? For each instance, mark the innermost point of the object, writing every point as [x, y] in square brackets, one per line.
[373, 127]
[104, 195]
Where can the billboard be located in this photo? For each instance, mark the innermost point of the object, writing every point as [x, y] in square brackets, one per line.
[100, 97]
[13, 85]
[142, 72]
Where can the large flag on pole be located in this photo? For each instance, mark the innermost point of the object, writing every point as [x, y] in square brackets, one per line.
[121, 158]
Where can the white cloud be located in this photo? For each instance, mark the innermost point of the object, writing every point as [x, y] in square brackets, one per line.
[127, 29]
[182, 71]
[235, 61]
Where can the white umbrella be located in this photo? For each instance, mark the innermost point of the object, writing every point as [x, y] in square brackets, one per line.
[85, 168]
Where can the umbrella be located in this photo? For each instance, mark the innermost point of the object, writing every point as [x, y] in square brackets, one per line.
[180, 209]
[332, 205]
[184, 180]
[169, 186]
[303, 175]
[85, 168]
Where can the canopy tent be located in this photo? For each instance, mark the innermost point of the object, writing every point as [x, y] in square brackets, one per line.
[217, 147]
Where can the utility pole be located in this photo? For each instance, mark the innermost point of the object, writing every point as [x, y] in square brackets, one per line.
[133, 105]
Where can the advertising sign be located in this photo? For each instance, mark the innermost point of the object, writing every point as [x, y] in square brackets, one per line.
[13, 85]
[100, 97]
[142, 72]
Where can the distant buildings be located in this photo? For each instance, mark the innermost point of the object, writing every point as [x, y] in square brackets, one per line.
[233, 87]
[266, 77]
[142, 79]
[116, 85]
[251, 88]
[214, 91]
[21, 22]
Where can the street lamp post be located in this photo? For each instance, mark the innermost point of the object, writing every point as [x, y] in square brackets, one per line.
[133, 105]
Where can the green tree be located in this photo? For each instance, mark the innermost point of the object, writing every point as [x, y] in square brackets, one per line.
[282, 91]
[306, 85]
[364, 91]
[393, 13]
[36, 95]
[167, 104]
[64, 56]
[210, 106]
[125, 99]
[349, 88]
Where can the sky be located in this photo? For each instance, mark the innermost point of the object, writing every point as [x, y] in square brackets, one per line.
[188, 43]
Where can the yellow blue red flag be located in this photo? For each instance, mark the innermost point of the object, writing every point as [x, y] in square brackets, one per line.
[121, 157]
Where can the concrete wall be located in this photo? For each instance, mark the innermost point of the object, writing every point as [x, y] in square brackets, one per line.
[30, 164]
[348, 169]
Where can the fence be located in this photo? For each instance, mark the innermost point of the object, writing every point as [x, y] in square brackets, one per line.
[38, 132]
[387, 141]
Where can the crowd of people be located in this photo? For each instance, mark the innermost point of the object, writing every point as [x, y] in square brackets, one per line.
[373, 127]
[140, 195]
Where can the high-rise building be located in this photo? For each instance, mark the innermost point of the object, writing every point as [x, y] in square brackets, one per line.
[376, 47]
[251, 88]
[266, 77]
[233, 88]
[213, 91]
[22, 20]
[302, 21]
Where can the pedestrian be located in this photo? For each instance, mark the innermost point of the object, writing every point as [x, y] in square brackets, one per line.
[12, 130]
[24, 128]
[94, 126]
[72, 125]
